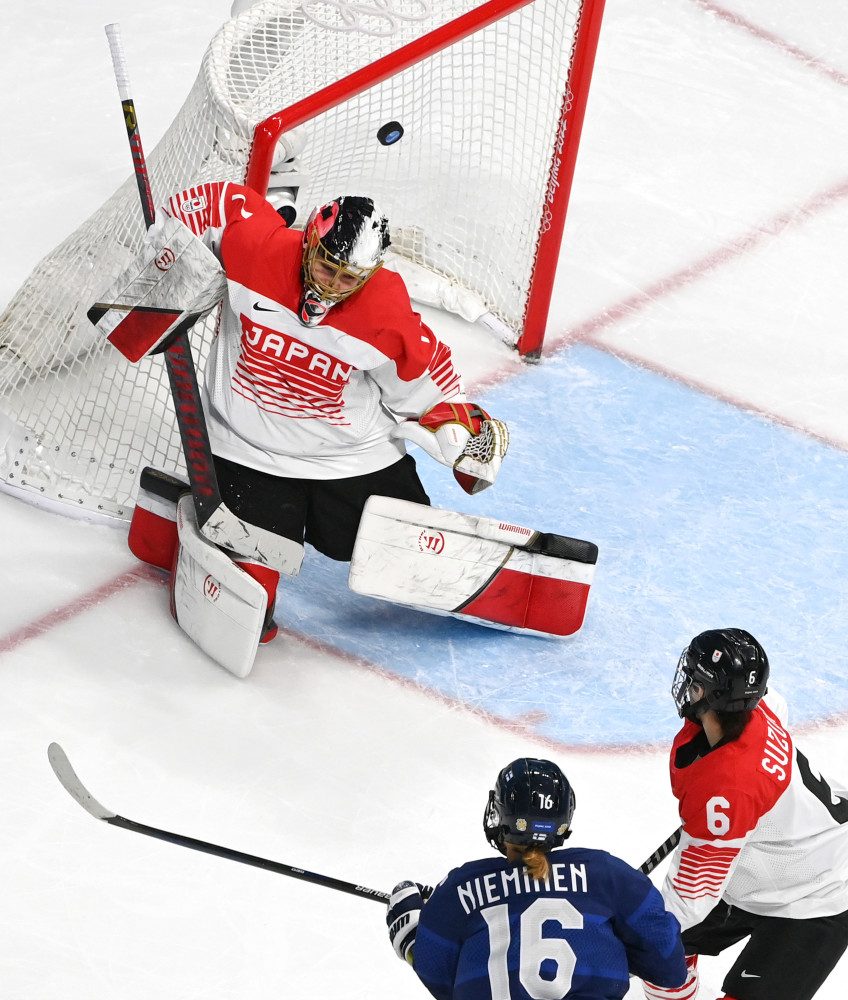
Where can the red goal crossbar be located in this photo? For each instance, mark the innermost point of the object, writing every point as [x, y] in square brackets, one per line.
[551, 225]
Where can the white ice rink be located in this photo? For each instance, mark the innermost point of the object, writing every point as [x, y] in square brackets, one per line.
[704, 263]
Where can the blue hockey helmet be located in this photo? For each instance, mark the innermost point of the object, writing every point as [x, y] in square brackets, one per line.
[531, 805]
[729, 665]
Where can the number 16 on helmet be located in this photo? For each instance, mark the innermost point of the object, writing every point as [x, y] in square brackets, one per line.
[531, 804]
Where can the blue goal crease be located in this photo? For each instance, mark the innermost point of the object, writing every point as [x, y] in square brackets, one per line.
[705, 516]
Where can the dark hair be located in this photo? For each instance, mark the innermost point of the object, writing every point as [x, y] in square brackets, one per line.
[732, 723]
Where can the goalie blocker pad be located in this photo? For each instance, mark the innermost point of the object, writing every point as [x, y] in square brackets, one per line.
[213, 600]
[169, 285]
[475, 568]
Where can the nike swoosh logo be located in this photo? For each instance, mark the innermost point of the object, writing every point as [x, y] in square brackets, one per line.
[750, 975]
[244, 214]
[265, 309]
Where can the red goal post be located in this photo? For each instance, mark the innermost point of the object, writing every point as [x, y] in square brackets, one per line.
[529, 337]
[489, 102]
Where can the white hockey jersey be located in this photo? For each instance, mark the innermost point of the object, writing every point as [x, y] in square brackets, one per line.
[762, 829]
[307, 402]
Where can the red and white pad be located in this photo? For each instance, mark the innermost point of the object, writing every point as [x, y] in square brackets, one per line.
[476, 568]
[153, 529]
[215, 602]
[171, 283]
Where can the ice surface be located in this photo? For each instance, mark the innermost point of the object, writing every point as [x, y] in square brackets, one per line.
[688, 417]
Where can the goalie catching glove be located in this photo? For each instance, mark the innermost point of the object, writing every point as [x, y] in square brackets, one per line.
[462, 436]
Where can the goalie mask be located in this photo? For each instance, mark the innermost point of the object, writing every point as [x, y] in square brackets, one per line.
[343, 246]
[731, 667]
[531, 805]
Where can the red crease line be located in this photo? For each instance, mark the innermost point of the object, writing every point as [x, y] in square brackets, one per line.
[76, 607]
[733, 249]
[517, 727]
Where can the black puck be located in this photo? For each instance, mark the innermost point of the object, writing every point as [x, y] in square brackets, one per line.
[389, 133]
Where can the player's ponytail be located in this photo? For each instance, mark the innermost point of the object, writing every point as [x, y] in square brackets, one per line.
[535, 860]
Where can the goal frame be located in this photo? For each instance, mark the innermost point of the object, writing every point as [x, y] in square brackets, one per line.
[551, 225]
[492, 98]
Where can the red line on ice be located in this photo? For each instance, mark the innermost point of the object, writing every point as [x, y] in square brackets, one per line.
[779, 43]
[518, 727]
[588, 332]
[515, 726]
[737, 247]
[141, 573]
[75, 607]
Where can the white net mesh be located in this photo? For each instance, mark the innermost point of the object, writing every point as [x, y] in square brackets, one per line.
[464, 189]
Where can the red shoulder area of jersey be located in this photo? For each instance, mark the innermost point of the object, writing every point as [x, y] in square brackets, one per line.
[725, 794]
[381, 314]
[240, 204]
[259, 251]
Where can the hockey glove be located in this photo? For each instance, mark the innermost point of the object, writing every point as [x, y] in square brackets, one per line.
[462, 436]
[402, 916]
[688, 991]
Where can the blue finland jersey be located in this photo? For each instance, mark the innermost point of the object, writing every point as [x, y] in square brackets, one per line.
[490, 932]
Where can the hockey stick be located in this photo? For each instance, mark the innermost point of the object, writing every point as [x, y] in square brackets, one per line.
[75, 788]
[662, 852]
[215, 520]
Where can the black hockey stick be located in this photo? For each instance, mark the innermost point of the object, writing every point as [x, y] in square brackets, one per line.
[71, 783]
[215, 520]
[74, 787]
[662, 852]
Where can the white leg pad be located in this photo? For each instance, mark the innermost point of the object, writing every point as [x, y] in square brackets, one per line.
[476, 568]
[214, 601]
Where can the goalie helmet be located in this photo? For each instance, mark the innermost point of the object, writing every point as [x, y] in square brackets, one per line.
[731, 667]
[531, 805]
[343, 246]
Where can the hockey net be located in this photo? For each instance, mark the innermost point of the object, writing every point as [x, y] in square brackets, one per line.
[475, 189]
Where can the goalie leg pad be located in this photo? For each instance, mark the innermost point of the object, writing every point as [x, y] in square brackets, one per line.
[153, 529]
[269, 578]
[215, 602]
[476, 568]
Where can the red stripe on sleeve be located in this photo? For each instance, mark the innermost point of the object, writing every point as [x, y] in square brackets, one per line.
[703, 870]
[198, 207]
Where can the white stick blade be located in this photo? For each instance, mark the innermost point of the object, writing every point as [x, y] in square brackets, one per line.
[72, 785]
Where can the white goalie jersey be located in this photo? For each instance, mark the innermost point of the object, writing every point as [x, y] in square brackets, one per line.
[314, 402]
